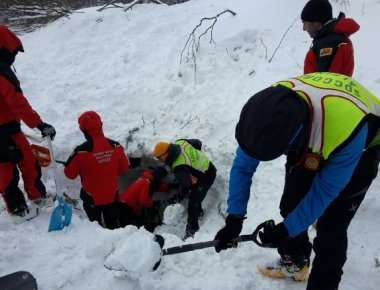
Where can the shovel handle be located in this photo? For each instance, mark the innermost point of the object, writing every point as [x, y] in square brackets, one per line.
[60, 161]
[201, 245]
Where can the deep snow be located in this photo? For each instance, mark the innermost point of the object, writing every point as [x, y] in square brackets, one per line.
[126, 67]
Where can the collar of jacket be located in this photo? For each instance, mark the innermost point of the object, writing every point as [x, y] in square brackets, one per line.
[174, 152]
[327, 28]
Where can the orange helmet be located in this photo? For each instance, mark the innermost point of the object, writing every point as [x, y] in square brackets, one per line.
[161, 150]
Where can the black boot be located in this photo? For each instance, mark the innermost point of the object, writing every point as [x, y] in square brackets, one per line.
[192, 227]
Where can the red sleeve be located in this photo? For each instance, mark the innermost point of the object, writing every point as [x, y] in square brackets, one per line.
[343, 61]
[72, 166]
[137, 195]
[18, 104]
[310, 64]
[123, 161]
[145, 198]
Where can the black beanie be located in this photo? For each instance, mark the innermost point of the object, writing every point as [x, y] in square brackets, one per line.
[269, 121]
[317, 11]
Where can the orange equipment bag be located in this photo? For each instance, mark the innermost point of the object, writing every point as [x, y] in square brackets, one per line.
[42, 155]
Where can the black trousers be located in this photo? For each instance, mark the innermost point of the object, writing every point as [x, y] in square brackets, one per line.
[13, 196]
[330, 244]
[199, 193]
[149, 218]
[106, 215]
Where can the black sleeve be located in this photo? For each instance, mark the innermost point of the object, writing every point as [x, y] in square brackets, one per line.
[134, 161]
[86, 146]
[325, 50]
[183, 177]
[196, 143]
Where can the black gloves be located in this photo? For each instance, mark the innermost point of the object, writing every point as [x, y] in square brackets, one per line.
[273, 235]
[46, 130]
[226, 235]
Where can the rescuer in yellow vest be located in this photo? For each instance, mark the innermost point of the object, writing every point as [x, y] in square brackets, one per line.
[193, 171]
[328, 126]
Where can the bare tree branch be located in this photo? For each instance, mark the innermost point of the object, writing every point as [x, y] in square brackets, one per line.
[28, 15]
[135, 2]
[193, 43]
[265, 47]
[282, 38]
[112, 2]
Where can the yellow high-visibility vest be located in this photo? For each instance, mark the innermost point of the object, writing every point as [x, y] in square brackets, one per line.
[338, 104]
[191, 157]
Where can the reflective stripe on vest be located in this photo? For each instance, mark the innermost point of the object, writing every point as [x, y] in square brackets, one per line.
[191, 157]
[338, 105]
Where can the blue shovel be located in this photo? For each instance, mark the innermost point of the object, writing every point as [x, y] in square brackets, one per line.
[62, 213]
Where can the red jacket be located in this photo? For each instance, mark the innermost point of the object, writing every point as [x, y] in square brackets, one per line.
[138, 195]
[14, 106]
[99, 162]
[332, 50]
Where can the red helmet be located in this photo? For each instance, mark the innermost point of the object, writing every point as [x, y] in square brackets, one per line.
[90, 122]
[10, 45]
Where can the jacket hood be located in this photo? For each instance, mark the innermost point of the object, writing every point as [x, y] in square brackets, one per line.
[10, 45]
[174, 152]
[342, 25]
[269, 122]
[346, 26]
[91, 123]
[9, 40]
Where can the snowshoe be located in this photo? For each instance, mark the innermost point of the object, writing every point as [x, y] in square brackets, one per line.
[25, 213]
[284, 269]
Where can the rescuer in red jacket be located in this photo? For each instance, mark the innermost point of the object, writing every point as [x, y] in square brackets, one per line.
[140, 202]
[332, 50]
[15, 151]
[99, 162]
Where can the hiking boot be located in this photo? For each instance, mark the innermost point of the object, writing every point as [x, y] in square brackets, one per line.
[20, 211]
[286, 269]
[23, 213]
[201, 213]
[191, 229]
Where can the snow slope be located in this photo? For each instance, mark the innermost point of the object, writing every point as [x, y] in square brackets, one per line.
[126, 67]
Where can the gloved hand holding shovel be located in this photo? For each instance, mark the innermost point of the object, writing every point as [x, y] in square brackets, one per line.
[132, 250]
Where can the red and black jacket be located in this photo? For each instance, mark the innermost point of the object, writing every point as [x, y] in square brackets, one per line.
[14, 107]
[99, 162]
[139, 194]
[332, 50]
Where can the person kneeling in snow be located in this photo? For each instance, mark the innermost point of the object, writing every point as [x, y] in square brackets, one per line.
[194, 172]
[141, 204]
[99, 162]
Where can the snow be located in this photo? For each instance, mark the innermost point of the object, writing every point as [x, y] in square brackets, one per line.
[126, 67]
[136, 254]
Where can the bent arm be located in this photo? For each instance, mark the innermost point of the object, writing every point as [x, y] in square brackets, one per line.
[242, 171]
[327, 185]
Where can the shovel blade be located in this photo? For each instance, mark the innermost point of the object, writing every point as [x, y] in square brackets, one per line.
[161, 241]
[61, 216]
